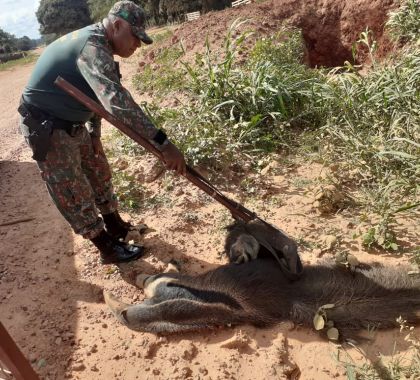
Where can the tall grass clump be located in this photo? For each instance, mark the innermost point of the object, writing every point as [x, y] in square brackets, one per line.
[242, 103]
[246, 102]
[396, 366]
[161, 77]
[404, 23]
[372, 127]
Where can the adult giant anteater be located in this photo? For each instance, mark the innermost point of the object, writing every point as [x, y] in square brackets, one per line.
[257, 292]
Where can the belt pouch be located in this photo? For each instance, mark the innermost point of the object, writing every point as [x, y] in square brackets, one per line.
[38, 133]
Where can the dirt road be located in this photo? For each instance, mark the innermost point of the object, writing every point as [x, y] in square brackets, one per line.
[37, 271]
[51, 283]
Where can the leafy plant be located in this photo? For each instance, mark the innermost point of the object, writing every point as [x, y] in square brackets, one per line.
[162, 76]
[130, 193]
[240, 105]
[242, 110]
[27, 58]
[399, 366]
[404, 23]
[117, 144]
[372, 125]
[382, 235]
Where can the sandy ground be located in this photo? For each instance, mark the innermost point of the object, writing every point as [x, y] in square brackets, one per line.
[51, 281]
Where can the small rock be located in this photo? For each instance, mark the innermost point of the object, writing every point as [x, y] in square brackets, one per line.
[329, 241]
[317, 252]
[120, 164]
[270, 168]
[190, 353]
[133, 235]
[94, 349]
[289, 325]
[78, 367]
[174, 359]
[186, 373]
[203, 371]
[154, 172]
[239, 342]
[179, 192]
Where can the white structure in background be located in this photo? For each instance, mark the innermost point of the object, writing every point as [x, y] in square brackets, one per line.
[192, 16]
[195, 15]
[237, 3]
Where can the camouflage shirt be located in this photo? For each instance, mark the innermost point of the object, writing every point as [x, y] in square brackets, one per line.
[97, 65]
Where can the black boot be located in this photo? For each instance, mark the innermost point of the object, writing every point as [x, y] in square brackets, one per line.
[115, 226]
[114, 251]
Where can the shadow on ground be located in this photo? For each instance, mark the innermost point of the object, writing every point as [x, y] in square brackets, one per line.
[39, 285]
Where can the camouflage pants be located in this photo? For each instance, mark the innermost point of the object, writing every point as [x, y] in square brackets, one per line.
[79, 183]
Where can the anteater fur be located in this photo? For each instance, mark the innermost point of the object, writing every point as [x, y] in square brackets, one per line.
[257, 293]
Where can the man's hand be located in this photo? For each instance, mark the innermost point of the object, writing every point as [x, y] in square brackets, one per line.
[97, 146]
[174, 159]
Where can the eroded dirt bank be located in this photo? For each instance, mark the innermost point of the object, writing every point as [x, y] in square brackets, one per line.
[329, 27]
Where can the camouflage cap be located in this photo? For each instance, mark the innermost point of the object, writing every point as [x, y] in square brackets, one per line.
[134, 15]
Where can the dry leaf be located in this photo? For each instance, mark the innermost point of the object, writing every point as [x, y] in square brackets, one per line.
[352, 260]
[330, 324]
[319, 322]
[333, 333]
[327, 306]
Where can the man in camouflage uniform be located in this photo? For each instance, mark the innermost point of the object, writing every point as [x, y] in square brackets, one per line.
[65, 135]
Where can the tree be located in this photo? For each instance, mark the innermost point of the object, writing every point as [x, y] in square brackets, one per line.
[7, 42]
[210, 5]
[182, 6]
[24, 43]
[62, 16]
[100, 8]
[160, 11]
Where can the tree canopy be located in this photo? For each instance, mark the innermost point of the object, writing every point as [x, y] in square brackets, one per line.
[7, 42]
[62, 16]
[100, 8]
[58, 17]
[25, 43]
[160, 11]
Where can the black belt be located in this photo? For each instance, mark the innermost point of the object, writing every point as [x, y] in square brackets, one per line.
[71, 127]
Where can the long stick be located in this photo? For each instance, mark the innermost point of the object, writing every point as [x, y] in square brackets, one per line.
[16, 222]
[192, 175]
[12, 357]
[292, 269]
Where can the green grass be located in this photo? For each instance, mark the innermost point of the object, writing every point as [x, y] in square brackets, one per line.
[237, 112]
[236, 109]
[161, 77]
[30, 57]
[397, 367]
[404, 23]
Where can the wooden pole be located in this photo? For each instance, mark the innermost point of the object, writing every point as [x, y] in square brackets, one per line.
[13, 359]
[192, 175]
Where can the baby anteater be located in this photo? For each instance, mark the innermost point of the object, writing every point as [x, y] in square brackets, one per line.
[257, 292]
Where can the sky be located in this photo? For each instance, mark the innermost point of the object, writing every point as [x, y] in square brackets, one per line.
[18, 17]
